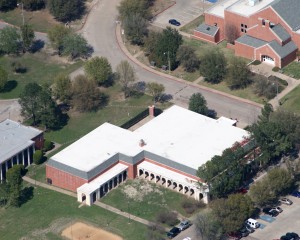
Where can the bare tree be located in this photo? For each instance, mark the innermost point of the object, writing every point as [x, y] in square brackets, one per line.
[231, 33]
[126, 75]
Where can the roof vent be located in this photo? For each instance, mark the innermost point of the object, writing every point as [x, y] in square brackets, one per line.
[252, 2]
[142, 143]
[208, 28]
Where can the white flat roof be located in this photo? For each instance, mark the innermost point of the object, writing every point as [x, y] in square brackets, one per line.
[218, 9]
[168, 174]
[177, 134]
[90, 187]
[242, 7]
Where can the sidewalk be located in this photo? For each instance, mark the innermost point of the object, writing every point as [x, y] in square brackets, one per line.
[100, 204]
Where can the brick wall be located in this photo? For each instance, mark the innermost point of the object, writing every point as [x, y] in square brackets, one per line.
[39, 141]
[244, 51]
[205, 37]
[218, 21]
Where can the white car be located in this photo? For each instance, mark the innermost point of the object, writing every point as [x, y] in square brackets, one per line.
[286, 201]
[187, 238]
[278, 209]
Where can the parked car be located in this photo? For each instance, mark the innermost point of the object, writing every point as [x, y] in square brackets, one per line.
[278, 209]
[292, 235]
[244, 232]
[184, 225]
[187, 238]
[270, 211]
[296, 194]
[173, 232]
[174, 22]
[285, 201]
[252, 223]
[249, 229]
[234, 235]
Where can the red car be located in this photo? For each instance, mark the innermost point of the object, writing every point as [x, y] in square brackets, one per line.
[234, 236]
[242, 190]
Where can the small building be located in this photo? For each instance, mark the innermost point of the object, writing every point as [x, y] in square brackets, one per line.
[167, 151]
[264, 30]
[17, 145]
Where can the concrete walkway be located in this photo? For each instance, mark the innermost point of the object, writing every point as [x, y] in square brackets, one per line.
[100, 204]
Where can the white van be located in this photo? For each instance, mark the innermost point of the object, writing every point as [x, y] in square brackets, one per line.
[252, 223]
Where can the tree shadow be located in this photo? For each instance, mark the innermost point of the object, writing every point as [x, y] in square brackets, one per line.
[9, 86]
[37, 45]
[212, 113]
[166, 97]
[26, 195]
[140, 86]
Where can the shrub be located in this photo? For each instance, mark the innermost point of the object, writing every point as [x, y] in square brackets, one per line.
[256, 62]
[33, 5]
[167, 217]
[275, 69]
[48, 145]
[18, 67]
[38, 157]
[191, 205]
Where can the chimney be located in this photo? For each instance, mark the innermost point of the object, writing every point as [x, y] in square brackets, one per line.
[151, 111]
[142, 143]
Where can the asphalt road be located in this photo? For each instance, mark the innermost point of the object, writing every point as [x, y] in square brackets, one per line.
[99, 30]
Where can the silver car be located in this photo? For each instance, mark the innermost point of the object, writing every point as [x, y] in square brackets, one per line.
[184, 225]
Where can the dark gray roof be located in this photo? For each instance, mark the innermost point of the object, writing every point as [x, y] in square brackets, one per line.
[283, 51]
[281, 32]
[207, 29]
[251, 41]
[289, 11]
[15, 137]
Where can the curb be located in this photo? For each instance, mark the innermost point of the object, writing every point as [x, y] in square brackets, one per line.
[171, 78]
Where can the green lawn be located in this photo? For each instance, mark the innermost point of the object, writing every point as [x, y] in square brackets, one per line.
[292, 101]
[292, 69]
[48, 212]
[189, 28]
[37, 172]
[40, 68]
[155, 201]
[41, 21]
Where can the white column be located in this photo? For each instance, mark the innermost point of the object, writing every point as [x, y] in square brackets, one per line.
[23, 158]
[6, 165]
[28, 154]
[1, 174]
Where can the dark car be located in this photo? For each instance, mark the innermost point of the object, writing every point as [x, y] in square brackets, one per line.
[234, 235]
[174, 22]
[292, 236]
[173, 232]
[270, 211]
[244, 232]
[296, 194]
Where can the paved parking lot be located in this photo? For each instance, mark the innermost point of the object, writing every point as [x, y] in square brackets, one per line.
[287, 221]
[183, 11]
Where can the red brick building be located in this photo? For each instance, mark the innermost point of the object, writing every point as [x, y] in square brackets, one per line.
[264, 30]
[166, 150]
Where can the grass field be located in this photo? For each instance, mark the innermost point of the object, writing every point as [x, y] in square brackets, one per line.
[41, 68]
[48, 213]
[154, 199]
[189, 28]
[292, 69]
[292, 101]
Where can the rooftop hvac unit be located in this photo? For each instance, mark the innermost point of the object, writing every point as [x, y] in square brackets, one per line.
[252, 2]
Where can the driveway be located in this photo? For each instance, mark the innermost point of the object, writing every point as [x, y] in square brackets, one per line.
[183, 11]
[100, 31]
[287, 221]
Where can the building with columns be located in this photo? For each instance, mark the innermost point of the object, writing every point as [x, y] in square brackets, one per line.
[17, 145]
[167, 150]
[264, 30]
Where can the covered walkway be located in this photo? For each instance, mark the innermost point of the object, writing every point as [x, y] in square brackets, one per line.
[100, 186]
[172, 180]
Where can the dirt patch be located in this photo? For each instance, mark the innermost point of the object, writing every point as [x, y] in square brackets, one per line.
[139, 189]
[81, 231]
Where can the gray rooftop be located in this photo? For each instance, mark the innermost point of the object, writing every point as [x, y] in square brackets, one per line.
[207, 29]
[289, 11]
[285, 50]
[281, 32]
[15, 137]
[251, 41]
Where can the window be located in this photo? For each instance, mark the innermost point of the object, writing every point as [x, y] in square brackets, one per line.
[246, 26]
[242, 25]
[215, 24]
[242, 29]
[245, 31]
[263, 22]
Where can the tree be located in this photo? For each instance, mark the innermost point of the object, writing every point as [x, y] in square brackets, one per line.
[280, 180]
[238, 74]
[207, 227]
[66, 10]
[56, 36]
[187, 57]
[6, 5]
[126, 75]
[231, 33]
[133, 7]
[10, 40]
[198, 104]
[233, 211]
[264, 87]
[86, 96]
[33, 5]
[62, 88]
[98, 69]
[135, 28]
[75, 46]
[3, 78]
[29, 101]
[165, 50]
[14, 185]
[261, 193]
[27, 35]
[38, 157]
[213, 66]
[155, 90]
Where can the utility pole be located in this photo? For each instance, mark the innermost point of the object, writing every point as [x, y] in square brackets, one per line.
[169, 62]
[22, 7]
